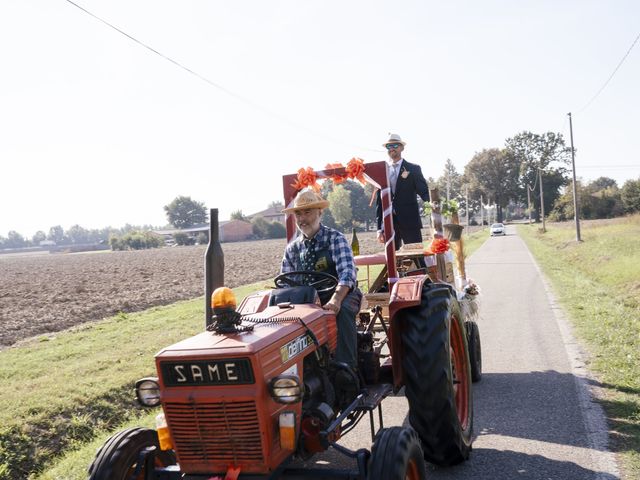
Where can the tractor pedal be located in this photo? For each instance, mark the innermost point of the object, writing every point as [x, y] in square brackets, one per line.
[374, 394]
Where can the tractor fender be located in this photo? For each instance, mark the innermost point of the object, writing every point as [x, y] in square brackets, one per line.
[406, 292]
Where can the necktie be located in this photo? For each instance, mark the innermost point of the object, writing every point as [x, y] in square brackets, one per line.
[394, 177]
[309, 262]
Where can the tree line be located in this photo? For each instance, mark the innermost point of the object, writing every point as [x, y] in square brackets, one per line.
[511, 178]
[76, 235]
[529, 171]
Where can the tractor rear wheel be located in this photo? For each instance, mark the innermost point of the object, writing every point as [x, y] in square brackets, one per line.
[475, 350]
[396, 455]
[117, 459]
[437, 375]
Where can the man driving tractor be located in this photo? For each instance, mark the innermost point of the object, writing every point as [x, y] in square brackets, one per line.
[322, 249]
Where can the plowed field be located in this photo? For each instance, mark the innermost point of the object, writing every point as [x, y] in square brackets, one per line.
[43, 293]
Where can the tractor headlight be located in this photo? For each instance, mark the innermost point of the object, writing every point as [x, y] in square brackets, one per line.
[148, 391]
[285, 389]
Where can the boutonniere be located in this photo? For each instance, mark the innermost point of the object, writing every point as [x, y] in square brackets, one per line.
[405, 173]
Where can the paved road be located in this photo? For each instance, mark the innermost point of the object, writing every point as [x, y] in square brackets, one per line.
[533, 416]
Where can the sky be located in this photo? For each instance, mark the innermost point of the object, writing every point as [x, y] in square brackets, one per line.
[98, 130]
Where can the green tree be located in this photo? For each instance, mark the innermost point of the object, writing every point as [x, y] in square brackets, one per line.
[77, 234]
[450, 181]
[56, 234]
[328, 220]
[183, 212]
[533, 152]
[630, 196]
[15, 240]
[260, 227]
[183, 239]
[237, 215]
[276, 230]
[593, 202]
[493, 173]
[601, 199]
[115, 243]
[360, 198]
[602, 183]
[136, 240]
[340, 206]
[38, 237]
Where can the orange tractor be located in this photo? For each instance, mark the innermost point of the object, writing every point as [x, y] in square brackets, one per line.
[260, 389]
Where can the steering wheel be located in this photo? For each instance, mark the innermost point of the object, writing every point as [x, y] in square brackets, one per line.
[324, 283]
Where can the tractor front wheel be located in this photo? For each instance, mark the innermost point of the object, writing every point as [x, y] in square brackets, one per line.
[437, 375]
[118, 458]
[396, 455]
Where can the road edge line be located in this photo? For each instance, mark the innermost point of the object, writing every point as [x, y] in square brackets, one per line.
[593, 416]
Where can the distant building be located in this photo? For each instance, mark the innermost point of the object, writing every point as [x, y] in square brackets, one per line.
[271, 214]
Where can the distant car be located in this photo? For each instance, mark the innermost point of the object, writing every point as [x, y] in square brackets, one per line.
[498, 229]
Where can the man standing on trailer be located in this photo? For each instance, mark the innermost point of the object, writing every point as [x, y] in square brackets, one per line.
[407, 183]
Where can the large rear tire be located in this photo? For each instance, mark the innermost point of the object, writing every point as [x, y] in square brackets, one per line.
[475, 350]
[396, 455]
[118, 457]
[437, 375]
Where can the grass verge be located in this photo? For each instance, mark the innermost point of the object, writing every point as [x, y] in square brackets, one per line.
[598, 283]
[70, 391]
[60, 391]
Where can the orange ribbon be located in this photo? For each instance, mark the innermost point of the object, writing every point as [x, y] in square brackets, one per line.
[306, 178]
[355, 169]
[438, 245]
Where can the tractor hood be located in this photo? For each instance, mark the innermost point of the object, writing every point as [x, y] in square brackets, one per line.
[269, 326]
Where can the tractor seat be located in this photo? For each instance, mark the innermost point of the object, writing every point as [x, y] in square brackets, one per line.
[299, 295]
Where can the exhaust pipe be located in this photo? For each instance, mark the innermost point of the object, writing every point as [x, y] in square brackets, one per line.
[213, 265]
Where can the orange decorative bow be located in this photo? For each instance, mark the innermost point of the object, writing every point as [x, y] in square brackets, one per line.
[306, 178]
[355, 169]
[438, 245]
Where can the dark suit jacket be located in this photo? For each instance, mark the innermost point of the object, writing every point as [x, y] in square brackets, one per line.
[411, 184]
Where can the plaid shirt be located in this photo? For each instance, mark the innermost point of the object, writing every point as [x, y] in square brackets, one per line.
[327, 239]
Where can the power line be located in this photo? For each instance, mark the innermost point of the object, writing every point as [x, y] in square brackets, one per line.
[609, 166]
[220, 87]
[610, 76]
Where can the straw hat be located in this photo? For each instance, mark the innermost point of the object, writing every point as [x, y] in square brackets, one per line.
[394, 138]
[306, 200]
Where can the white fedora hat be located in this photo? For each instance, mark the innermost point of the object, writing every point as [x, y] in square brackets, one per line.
[394, 138]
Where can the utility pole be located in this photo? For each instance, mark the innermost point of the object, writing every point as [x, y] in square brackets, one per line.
[481, 211]
[575, 188]
[544, 229]
[529, 202]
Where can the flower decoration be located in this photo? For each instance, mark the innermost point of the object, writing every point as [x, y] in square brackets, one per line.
[355, 169]
[337, 179]
[472, 288]
[438, 245]
[306, 178]
[447, 207]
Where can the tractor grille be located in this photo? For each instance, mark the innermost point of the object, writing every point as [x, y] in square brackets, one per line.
[215, 432]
